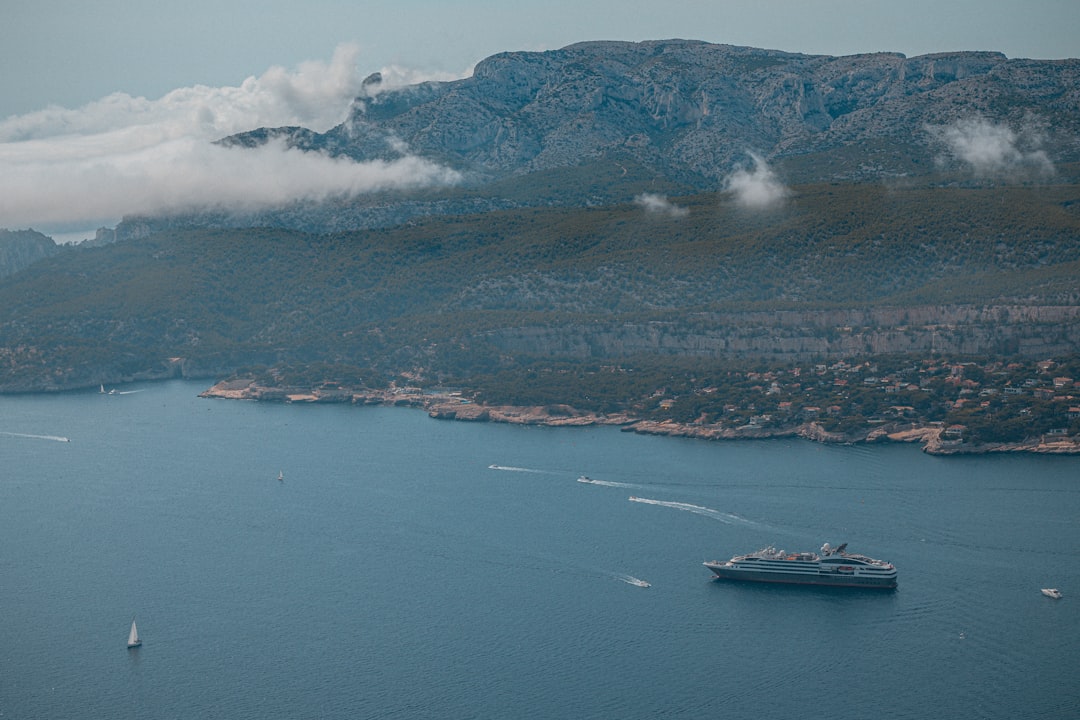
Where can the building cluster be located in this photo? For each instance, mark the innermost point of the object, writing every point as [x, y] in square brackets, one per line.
[966, 398]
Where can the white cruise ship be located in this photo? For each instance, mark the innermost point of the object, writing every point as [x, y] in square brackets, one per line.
[834, 566]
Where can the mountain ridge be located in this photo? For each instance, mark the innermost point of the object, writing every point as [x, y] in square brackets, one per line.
[600, 121]
[690, 109]
[21, 248]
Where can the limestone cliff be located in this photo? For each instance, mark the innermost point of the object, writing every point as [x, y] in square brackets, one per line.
[22, 248]
[690, 110]
[1021, 331]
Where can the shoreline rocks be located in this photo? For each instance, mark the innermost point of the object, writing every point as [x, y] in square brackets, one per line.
[451, 406]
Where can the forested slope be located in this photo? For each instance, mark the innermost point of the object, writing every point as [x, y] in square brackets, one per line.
[446, 292]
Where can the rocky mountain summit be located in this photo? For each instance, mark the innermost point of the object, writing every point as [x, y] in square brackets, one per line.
[22, 248]
[602, 122]
[688, 112]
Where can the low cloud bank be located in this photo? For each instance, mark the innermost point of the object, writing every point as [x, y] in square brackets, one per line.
[757, 188]
[186, 173]
[988, 149]
[660, 205]
[124, 155]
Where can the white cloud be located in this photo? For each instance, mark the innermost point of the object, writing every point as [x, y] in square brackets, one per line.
[660, 204]
[758, 188]
[177, 174]
[126, 155]
[989, 149]
[315, 95]
[394, 77]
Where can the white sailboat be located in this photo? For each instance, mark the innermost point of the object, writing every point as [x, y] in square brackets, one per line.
[133, 636]
[281, 476]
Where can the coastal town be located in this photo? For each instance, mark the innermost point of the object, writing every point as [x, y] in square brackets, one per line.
[950, 407]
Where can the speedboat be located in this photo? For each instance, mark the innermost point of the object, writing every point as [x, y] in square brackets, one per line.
[1052, 593]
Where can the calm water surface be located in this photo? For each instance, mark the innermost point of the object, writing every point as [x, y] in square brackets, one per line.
[412, 568]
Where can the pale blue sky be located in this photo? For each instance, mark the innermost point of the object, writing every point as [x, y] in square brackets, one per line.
[70, 52]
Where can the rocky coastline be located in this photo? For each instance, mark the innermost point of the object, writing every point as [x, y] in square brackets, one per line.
[450, 405]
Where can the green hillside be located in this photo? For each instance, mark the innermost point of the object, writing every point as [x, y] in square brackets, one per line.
[437, 294]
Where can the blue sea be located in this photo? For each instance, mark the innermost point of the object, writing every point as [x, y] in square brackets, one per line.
[407, 567]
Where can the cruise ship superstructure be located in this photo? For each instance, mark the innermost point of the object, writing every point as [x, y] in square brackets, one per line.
[833, 566]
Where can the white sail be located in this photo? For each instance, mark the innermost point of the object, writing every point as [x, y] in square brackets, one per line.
[133, 636]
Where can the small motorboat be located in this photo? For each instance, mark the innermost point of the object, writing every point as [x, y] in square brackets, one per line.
[1052, 593]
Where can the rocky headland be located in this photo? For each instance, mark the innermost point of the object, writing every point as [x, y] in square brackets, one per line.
[452, 405]
[21, 248]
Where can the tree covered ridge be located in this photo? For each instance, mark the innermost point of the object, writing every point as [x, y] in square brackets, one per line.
[457, 294]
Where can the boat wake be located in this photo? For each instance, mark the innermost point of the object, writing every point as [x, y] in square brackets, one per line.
[54, 438]
[729, 518]
[607, 483]
[631, 580]
[510, 468]
[114, 391]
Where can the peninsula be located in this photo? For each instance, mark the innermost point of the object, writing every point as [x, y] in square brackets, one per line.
[950, 408]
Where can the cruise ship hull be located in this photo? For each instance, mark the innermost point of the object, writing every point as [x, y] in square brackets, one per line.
[724, 572]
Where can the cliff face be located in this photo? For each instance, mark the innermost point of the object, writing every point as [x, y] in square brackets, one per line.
[21, 248]
[690, 110]
[798, 336]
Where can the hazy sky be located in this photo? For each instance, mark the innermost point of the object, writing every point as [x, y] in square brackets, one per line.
[104, 104]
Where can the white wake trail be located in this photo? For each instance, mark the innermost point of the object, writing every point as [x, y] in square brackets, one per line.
[607, 483]
[728, 518]
[510, 468]
[54, 438]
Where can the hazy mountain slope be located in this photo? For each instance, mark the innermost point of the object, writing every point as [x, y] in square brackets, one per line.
[925, 204]
[895, 267]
